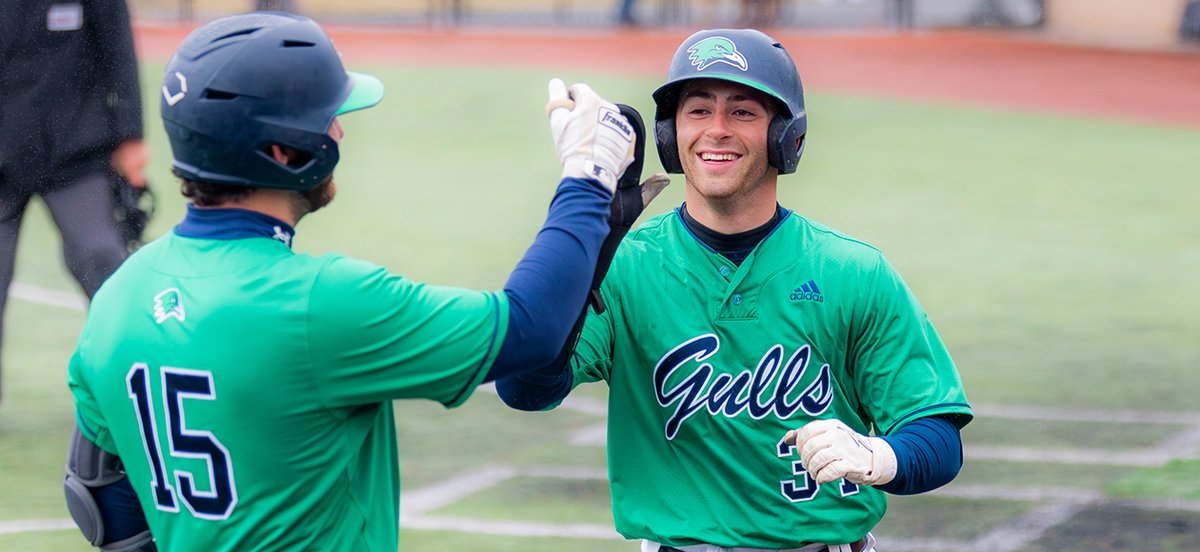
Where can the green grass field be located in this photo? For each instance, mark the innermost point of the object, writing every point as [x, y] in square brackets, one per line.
[1057, 257]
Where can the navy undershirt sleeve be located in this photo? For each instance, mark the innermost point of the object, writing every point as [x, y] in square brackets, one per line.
[928, 455]
[539, 389]
[548, 287]
[120, 510]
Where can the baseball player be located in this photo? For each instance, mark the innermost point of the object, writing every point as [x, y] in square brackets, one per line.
[234, 395]
[770, 379]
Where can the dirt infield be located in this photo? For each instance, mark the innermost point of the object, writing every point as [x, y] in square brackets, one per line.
[975, 69]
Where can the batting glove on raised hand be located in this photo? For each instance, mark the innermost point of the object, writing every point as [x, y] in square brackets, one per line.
[830, 450]
[592, 137]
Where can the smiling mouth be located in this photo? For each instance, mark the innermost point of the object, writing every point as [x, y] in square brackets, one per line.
[721, 157]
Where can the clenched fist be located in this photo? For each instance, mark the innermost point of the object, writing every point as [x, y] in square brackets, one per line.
[830, 450]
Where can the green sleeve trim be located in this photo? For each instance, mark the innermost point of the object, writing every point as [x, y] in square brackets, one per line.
[85, 429]
[91, 434]
[962, 409]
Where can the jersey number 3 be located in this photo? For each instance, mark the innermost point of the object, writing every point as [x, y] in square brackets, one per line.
[805, 488]
[179, 384]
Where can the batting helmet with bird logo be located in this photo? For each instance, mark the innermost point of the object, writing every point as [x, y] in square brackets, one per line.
[747, 57]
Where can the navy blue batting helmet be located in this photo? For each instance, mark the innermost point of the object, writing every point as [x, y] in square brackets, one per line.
[747, 57]
[240, 84]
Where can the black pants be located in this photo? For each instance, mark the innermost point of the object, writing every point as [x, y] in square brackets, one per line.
[83, 211]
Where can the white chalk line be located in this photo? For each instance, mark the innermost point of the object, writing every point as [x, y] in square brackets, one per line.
[35, 526]
[45, 296]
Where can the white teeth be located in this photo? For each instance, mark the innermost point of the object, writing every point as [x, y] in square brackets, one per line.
[718, 156]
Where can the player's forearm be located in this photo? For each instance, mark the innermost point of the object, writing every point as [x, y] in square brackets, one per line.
[542, 388]
[122, 513]
[928, 454]
[547, 289]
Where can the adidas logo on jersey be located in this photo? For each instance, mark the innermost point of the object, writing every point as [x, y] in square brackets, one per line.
[808, 291]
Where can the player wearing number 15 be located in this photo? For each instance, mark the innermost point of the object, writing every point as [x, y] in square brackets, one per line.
[749, 351]
[234, 395]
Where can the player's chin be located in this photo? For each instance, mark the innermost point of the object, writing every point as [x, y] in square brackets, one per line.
[718, 186]
[322, 194]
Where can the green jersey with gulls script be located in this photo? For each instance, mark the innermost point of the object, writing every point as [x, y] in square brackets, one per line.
[703, 355]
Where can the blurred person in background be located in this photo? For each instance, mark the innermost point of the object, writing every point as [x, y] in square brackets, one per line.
[70, 123]
[625, 13]
[901, 14]
[760, 13]
[276, 6]
[1189, 28]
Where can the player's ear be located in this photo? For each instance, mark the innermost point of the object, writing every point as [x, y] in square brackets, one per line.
[278, 154]
[288, 157]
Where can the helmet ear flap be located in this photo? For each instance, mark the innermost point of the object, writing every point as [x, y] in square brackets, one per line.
[785, 143]
[318, 151]
[668, 147]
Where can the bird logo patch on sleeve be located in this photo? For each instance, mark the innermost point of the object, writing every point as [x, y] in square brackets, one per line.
[168, 303]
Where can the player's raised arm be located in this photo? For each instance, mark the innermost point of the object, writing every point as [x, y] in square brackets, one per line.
[548, 288]
[540, 388]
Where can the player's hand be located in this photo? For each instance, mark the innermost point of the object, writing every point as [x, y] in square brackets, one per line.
[129, 160]
[830, 450]
[592, 137]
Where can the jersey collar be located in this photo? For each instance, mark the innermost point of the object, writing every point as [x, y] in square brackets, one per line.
[233, 224]
[735, 247]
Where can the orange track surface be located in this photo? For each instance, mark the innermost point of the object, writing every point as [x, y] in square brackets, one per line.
[975, 69]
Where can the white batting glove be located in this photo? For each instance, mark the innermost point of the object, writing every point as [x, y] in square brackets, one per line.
[592, 137]
[830, 450]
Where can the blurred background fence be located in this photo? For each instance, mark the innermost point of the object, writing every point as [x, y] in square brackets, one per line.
[1118, 23]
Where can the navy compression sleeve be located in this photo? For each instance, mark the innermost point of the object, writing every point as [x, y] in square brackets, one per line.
[538, 389]
[120, 510]
[547, 289]
[928, 454]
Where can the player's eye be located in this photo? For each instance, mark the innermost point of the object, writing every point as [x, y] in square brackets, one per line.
[745, 114]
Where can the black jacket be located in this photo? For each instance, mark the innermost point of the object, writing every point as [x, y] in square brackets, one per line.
[68, 89]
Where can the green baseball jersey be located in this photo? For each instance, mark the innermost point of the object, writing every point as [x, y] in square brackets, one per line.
[709, 364]
[248, 389]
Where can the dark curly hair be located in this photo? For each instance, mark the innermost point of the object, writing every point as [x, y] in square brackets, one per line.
[207, 194]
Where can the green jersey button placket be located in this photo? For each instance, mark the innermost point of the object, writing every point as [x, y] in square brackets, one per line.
[735, 304]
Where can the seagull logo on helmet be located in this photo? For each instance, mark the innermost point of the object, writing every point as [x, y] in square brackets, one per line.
[716, 49]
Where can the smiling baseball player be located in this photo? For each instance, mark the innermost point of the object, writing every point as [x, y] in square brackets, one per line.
[770, 379]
